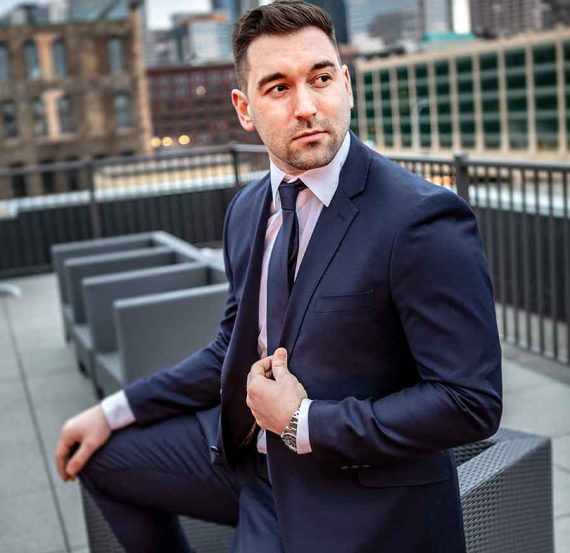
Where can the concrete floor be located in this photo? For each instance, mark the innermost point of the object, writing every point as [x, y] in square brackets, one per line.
[40, 388]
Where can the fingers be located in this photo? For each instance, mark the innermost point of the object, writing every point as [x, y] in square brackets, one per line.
[62, 457]
[78, 460]
[279, 363]
[260, 368]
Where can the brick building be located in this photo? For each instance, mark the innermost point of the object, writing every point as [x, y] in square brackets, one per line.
[191, 105]
[70, 91]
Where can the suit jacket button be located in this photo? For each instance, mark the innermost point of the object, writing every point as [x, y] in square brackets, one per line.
[215, 450]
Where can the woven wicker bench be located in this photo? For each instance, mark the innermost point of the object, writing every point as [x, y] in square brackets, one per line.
[506, 496]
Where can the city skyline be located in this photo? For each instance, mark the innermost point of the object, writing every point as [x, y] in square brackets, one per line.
[158, 11]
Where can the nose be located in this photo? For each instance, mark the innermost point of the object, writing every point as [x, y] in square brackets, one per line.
[306, 106]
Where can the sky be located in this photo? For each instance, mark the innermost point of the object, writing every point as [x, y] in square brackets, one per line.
[158, 10]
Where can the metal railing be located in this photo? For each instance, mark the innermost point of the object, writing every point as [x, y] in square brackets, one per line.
[522, 209]
[523, 212]
[185, 193]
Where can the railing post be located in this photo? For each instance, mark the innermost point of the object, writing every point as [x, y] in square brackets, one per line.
[235, 163]
[94, 213]
[461, 175]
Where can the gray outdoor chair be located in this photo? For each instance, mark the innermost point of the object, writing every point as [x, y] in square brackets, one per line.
[61, 252]
[506, 496]
[100, 293]
[77, 269]
[184, 252]
[159, 330]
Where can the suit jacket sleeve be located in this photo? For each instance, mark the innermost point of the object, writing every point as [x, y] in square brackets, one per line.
[194, 383]
[442, 291]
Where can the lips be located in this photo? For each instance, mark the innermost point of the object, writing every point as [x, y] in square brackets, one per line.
[309, 134]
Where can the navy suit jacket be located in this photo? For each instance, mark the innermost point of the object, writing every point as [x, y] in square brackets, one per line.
[391, 329]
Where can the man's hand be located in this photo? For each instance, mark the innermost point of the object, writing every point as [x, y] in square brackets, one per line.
[273, 402]
[89, 430]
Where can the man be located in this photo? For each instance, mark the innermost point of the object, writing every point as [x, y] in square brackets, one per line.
[374, 286]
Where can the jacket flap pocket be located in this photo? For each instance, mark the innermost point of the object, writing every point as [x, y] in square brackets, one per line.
[407, 472]
[346, 302]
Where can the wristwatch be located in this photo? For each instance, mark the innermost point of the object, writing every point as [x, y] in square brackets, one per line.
[289, 435]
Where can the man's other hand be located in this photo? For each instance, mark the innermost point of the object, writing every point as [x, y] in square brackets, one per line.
[88, 430]
[273, 402]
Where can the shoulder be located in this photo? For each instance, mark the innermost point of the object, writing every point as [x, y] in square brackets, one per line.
[401, 194]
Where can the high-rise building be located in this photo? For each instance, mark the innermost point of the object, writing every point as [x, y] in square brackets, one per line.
[88, 10]
[555, 12]
[337, 10]
[201, 38]
[397, 20]
[505, 17]
[232, 9]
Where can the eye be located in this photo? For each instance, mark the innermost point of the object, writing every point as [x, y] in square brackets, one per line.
[277, 89]
[323, 79]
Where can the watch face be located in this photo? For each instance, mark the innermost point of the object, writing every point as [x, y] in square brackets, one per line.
[290, 441]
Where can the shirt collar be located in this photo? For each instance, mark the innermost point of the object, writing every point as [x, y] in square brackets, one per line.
[322, 181]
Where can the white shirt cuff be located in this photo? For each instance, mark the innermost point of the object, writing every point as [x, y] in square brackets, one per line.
[117, 410]
[303, 443]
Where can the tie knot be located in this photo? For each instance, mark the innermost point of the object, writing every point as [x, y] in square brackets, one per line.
[288, 192]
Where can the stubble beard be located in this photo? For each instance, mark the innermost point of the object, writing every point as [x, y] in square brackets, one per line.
[312, 155]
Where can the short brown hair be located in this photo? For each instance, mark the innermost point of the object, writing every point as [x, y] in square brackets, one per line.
[282, 17]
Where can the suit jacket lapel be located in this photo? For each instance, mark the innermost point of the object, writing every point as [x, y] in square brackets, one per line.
[333, 223]
[236, 418]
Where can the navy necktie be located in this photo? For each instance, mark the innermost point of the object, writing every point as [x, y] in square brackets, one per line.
[282, 263]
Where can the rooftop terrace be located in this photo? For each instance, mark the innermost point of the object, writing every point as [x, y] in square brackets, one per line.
[40, 387]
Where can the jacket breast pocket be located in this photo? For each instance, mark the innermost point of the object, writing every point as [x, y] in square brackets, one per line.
[345, 302]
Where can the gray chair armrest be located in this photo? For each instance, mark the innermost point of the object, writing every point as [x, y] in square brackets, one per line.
[184, 251]
[506, 494]
[61, 252]
[78, 268]
[160, 330]
[100, 293]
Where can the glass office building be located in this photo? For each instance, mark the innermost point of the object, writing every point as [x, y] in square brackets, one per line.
[508, 97]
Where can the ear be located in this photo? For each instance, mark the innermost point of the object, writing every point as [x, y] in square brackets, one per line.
[347, 83]
[241, 105]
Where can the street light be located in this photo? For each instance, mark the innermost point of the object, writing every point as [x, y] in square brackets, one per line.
[416, 111]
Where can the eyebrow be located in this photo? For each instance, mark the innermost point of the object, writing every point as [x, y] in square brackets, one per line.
[277, 76]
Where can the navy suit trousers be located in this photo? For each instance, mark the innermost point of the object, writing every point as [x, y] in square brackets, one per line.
[144, 477]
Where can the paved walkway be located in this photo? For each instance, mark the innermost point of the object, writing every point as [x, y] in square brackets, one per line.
[40, 388]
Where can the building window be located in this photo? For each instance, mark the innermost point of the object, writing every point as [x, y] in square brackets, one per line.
[567, 90]
[465, 101]
[404, 106]
[443, 94]
[39, 117]
[65, 115]
[545, 96]
[515, 63]
[116, 52]
[370, 111]
[19, 185]
[32, 61]
[123, 114]
[4, 64]
[386, 94]
[59, 58]
[9, 117]
[490, 105]
[422, 105]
